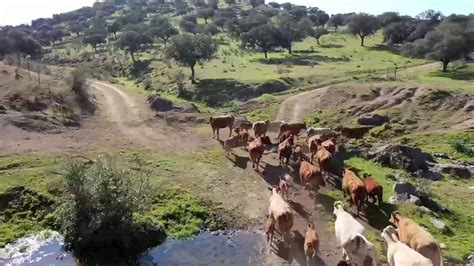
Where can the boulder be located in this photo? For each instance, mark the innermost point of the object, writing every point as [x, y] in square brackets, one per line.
[271, 86]
[403, 157]
[159, 104]
[373, 119]
[456, 170]
[187, 108]
[440, 225]
[432, 175]
[403, 198]
[405, 188]
[391, 177]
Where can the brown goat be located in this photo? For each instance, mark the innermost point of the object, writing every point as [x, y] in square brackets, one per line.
[221, 122]
[324, 158]
[285, 149]
[256, 149]
[284, 188]
[260, 128]
[352, 185]
[373, 188]
[311, 244]
[231, 143]
[293, 128]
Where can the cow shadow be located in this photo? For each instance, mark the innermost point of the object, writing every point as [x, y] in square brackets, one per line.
[298, 208]
[239, 161]
[327, 202]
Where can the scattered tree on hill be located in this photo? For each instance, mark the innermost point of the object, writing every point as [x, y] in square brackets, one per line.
[434, 17]
[318, 33]
[362, 25]
[130, 41]
[199, 3]
[274, 4]
[220, 22]
[387, 18]
[114, 28]
[94, 40]
[287, 6]
[398, 32]
[163, 29]
[298, 12]
[318, 16]
[336, 21]
[290, 30]
[214, 4]
[255, 3]
[188, 50]
[205, 14]
[56, 35]
[5, 47]
[189, 26]
[229, 2]
[77, 28]
[263, 36]
[22, 44]
[209, 29]
[446, 43]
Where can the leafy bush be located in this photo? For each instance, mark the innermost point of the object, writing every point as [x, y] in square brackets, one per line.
[462, 148]
[77, 80]
[102, 205]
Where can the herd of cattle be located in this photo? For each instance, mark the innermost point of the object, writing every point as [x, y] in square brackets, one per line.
[409, 244]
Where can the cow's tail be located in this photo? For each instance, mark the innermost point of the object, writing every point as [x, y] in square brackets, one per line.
[380, 195]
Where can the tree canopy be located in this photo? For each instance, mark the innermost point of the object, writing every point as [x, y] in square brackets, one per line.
[363, 25]
[264, 36]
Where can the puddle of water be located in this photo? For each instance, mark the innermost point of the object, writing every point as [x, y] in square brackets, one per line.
[43, 248]
[227, 248]
[237, 248]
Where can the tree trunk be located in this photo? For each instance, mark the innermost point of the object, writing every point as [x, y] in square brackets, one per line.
[115, 35]
[335, 29]
[39, 77]
[362, 41]
[289, 49]
[192, 74]
[19, 59]
[317, 40]
[445, 65]
[265, 51]
[133, 57]
[205, 20]
[164, 41]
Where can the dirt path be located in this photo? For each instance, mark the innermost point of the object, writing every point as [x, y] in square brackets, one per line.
[297, 107]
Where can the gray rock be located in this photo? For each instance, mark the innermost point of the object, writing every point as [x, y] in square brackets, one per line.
[441, 155]
[187, 108]
[415, 200]
[424, 210]
[456, 170]
[440, 225]
[271, 86]
[403, 157]
[402, 187]
[2, 107]
[391, 177]
[432, 175]
[373, 119]
[159, 103]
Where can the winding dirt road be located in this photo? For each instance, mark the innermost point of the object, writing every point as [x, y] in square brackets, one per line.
[295, 108]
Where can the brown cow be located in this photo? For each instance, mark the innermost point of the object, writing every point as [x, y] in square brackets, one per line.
[414, 236]
[231, 143]
[310, 175]
[284, 187]
[285, 149]
[221, 122]
[373, 188]
[311, 244]
[270, 229]
[243, 125]
[260, 128]
[329, 146]
[313, 143]
[352, 133]
[324, 158]
[256, 149]
[284, 136]
[294, 128]
[352, 185]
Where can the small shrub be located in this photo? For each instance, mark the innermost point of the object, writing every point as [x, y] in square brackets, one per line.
[463, 149]
[101, 205]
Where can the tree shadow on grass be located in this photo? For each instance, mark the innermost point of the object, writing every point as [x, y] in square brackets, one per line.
[301, 60]
[331, 45]
[455, 74]
[385, 47]
[219, 92]
[139, 68]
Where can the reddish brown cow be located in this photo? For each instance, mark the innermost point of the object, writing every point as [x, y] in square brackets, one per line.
[311, 244]
[285, 149]
[324, 158]
[243, 125]
[221, 122]
[311, 175]
[293, 128]
[231, 143]
[313, 143]
[329, 146]
[373, 188]
[352, 185]
[256, 149]
[352, 133]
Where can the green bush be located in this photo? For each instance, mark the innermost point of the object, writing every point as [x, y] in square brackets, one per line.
[101, 209]
[462, 148]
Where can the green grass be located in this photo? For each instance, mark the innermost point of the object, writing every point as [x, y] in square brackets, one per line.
[441, 142]
[177, 210]
[457, 78]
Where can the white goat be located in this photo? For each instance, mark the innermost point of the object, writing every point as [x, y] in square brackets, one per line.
[349, 234]
[401, 254]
